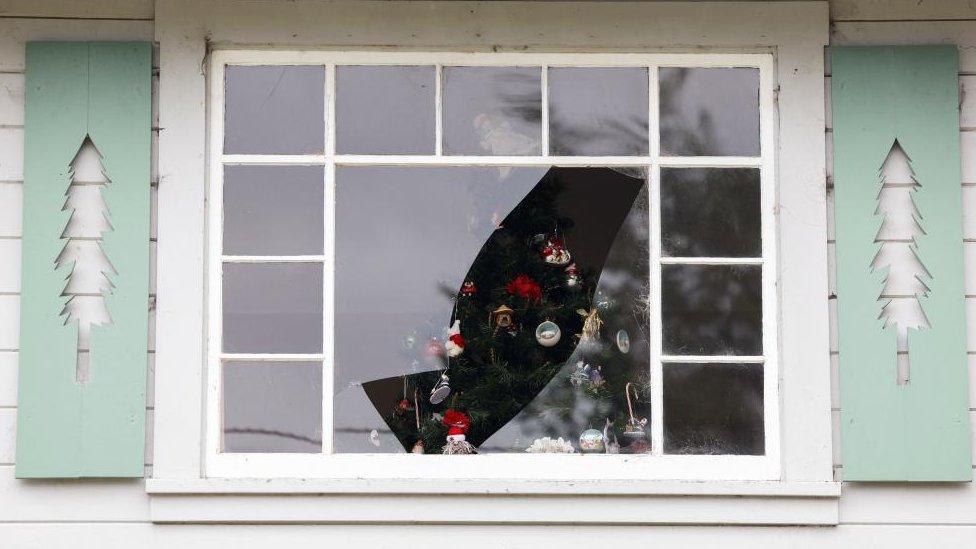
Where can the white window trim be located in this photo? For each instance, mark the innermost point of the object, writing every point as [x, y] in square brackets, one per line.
[801, 492]
[650, 466]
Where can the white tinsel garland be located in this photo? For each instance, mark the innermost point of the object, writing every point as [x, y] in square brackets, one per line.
[548, 445]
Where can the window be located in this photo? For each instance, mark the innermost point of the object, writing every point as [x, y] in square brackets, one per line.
[516, 248]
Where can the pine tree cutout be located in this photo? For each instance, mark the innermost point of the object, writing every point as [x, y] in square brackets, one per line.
[906, 278]
[89, 269]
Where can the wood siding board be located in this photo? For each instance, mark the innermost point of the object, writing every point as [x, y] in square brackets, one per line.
[919, 431]
[67, 429]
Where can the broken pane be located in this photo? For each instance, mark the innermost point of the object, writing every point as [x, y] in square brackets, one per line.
[385, 110]
[492, 111]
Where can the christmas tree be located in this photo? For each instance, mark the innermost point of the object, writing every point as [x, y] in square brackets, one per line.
[527, 313]
[89, 267]
[905, 276]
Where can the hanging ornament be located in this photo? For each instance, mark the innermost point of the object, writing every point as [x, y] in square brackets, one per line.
[502, 317]
[555, 252]
[441, 390]
[418, 447]
[523, 286]
[573, 280]
[634, 430]
[592, 442]
[596, 376]
[581, 375]
[468, 289]
[591, 326]
[455, 341]
[404, 405]
[623, 341]
[458, 424]
[548, 334]
[434, 349]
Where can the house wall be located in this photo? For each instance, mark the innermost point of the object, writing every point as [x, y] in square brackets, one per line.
[115, 513]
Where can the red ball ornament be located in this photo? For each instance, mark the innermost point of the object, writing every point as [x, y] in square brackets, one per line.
[434, 349]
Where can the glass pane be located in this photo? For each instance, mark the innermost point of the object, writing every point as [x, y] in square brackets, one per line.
[272, 308]
[273, 210]
[595, 112]
[272, 407]
[274, 110]
[711, 309]
[492, 110]
[507, 231]
[709, 212]
[385, 110]
[713, 409]
[709, 111]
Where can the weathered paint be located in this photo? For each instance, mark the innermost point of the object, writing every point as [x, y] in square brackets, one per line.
[918, 431]
[95, 429]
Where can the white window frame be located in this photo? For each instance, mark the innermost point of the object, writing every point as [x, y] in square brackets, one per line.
[189, 32]
[651, 466]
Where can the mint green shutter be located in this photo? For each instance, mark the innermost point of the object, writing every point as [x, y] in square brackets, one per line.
[918, 431]
[74, 90]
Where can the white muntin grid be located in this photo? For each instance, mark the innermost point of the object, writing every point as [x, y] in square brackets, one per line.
[654, 465]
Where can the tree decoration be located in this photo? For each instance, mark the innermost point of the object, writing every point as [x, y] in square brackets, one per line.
[591, 326]
[502, 317]
[468, 289]
[441, 390]
[548, 334]
[457, 424]
[555, 252]
[623, 341]
[634, 430]
[573, 280]
[418, 447]
[592, 441]
[524, 286]
[455, 341]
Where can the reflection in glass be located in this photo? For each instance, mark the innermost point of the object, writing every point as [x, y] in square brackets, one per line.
[274, 109]
[711, 309]
[272, 308]
[710, 212]
[709, 111]
[272, 407]
[397, 282]
[598, 111]
[713, 409]
[273, 210]
[492, 110]
[385, 110]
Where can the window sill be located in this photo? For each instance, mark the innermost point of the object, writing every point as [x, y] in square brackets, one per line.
[492, 501]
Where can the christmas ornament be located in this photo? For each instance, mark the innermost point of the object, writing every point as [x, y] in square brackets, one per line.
[591, 326]
[468, 289]
[502, 317]
[555, 252]
[434, 349]
[374, 438]
[613, 447]
[596, 376]
[634, 430]
[548, 445]
[548, 334]
[455, 341]
[404, 405]
[592, 442]
[581, 375]
[623, 341]
[458, 424]
[523, 286]
[441, 390]
[573, 280]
